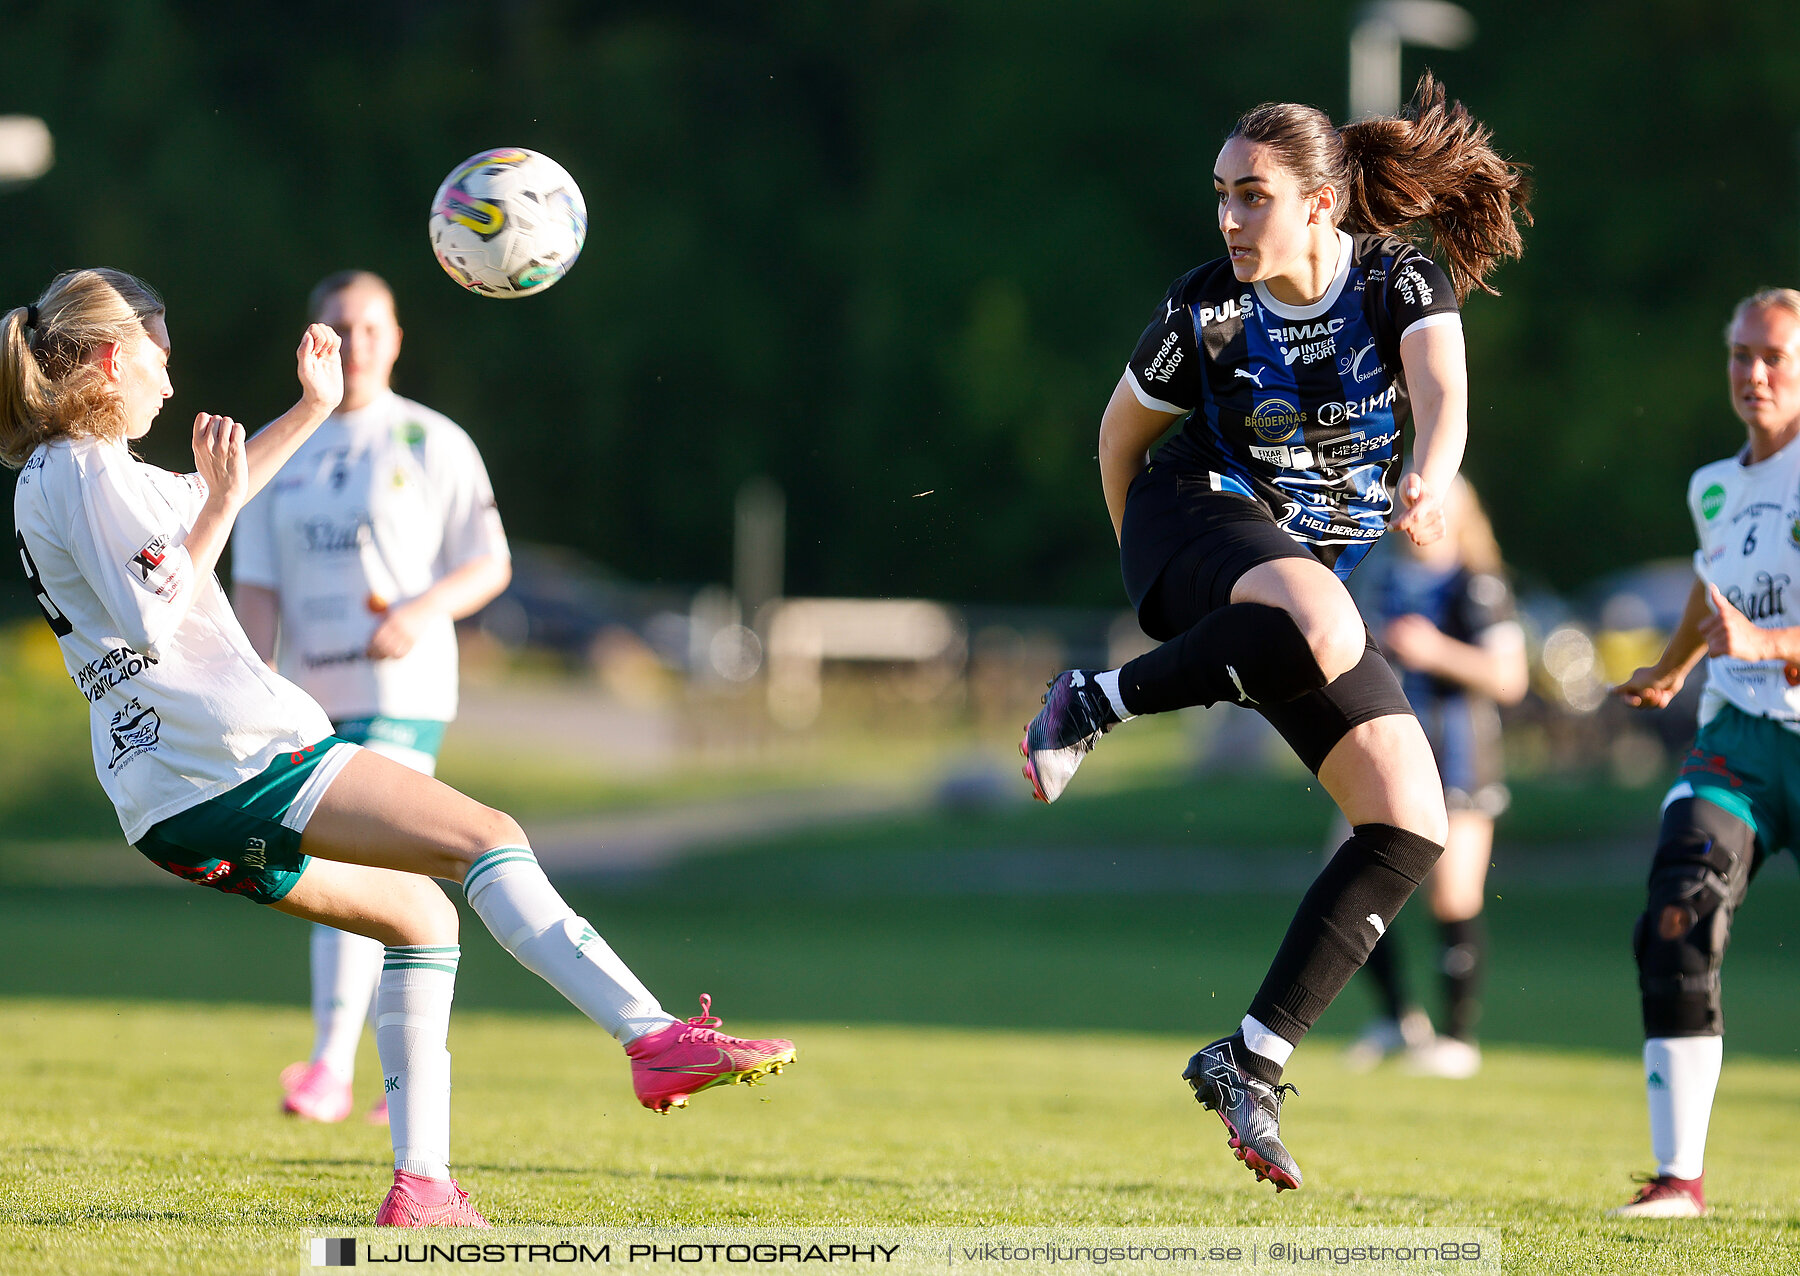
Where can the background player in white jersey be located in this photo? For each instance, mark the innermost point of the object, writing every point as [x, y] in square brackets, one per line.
[353, 564]
[1444, 615]
[227, 774]
[1737, 800]
[1297, 360]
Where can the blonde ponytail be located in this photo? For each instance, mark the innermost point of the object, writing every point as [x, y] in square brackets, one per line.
[49, 388]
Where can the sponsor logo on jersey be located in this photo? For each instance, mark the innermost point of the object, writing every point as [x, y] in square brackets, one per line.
[1275, 420]
[1412, 286]
[1305, 331]
[151, 568]
[1356, 447]
[1288, 458]
[256, 853]
[1357, 366]
[1338, 413]
[135, 730]
[325, 659]
[1168, 358]
[119, 665]
[1254, 378]
[1766, 601]
[1712, 500]
[1306, 342]
[1234, 308]
[35, 464]
[324, 536]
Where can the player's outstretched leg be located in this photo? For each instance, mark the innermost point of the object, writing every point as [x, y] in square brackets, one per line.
[1244, 653]
[378, 810]
[670, 1059]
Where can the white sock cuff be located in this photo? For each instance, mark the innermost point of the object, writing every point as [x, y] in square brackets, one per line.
[1265, 1041]
[487, 868]
[1109, 683]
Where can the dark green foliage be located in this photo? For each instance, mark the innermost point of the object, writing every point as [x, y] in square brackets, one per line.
[878, 250]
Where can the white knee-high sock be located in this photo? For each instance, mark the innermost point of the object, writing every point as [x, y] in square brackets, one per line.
[1681, 1075]
[345, 970]
[511, 895]
[412, 1026]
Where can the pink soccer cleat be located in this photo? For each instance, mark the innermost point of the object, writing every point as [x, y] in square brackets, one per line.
[1665, 1196]
[685, 1058]
[416, 1201]
[317, 1094]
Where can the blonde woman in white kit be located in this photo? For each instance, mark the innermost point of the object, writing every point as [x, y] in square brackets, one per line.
[227, 775]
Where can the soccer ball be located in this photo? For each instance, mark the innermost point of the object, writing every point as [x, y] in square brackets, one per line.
[508, 223]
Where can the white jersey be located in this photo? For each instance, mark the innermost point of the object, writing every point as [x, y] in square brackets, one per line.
[376, 506]
[1748, 520]
[181, 707]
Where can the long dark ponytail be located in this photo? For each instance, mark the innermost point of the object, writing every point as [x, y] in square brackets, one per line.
[1431, 166]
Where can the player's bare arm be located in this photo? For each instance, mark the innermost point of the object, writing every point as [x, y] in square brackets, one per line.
[1127, 429]
[321, 390]
[1496, 667]
[1438, 381]
[1655, 685]
[459, 593]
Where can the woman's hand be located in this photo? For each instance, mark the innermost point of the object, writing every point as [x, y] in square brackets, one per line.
[399, 631]
[1728, 632]
[321, 372]
[1422, 515]
[1415, 642]
[221, 461]
[1650, 688]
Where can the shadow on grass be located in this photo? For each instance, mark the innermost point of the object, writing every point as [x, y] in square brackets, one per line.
[1561, 974]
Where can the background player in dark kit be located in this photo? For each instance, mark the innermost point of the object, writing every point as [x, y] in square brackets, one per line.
[1445, 617]
[1298, 359]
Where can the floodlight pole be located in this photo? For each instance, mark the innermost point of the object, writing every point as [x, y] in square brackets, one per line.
[1381, 28]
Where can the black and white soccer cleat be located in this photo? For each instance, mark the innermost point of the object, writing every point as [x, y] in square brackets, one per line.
[1075, 715]
[1250, 1109]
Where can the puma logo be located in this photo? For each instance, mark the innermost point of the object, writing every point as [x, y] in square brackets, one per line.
[1255, 378]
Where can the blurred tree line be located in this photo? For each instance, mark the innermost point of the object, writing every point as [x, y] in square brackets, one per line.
[893, 255]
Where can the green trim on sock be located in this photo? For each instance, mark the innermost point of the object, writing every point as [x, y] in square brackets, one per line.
[419, 965]
[493, 859]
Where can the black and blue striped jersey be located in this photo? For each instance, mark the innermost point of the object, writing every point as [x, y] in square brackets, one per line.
[1303, 408]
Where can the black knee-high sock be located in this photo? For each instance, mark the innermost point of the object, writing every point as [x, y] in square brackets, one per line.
[1385, 968]
[1372, 875]
[1244, 651]
[1464, 956]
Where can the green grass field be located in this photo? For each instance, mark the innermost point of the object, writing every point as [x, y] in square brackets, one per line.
[993, 1006]
[964, 1061]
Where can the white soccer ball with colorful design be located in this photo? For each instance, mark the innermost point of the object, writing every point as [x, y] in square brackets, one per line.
[508, 223]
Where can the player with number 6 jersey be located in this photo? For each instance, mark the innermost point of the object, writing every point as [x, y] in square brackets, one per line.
[1737, 799]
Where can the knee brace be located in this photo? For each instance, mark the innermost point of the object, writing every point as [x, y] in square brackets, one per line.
[1703, 862]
